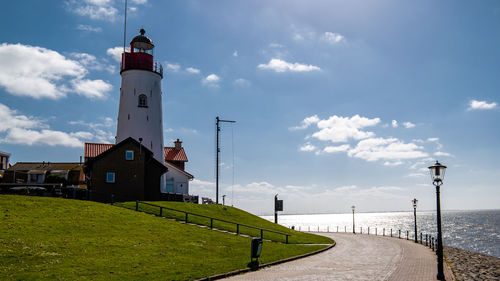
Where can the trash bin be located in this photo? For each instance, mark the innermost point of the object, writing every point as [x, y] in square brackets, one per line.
[256, 248]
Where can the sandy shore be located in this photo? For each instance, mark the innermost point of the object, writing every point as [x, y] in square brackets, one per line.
[469, 265]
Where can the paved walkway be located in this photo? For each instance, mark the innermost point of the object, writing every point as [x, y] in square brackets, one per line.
[358, 257]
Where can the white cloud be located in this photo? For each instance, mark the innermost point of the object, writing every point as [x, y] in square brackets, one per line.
[416, 175]
[139, 2]
[341, 129]
[116, 53]
[276, 45]
[408, 125]
[91, 62]
[93, 89]
[308, 121]
[335, 149]
[173, 66]
[94, 9]
[27, 130]
[481, 105]
[374, 149]
[279, 65]
[394, 123]
[393, 163]
[211, 80]
[307, 147]
[432, 139]
[193, 70]
[242, 82]
[41, 73]
[441, 153]
[235, 53]
[101, 131]
[332, 38]
[10, 119]
[345, 188]
[88, 28]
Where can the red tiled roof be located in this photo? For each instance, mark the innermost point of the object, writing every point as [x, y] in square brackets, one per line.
[94, 149]
[171, 154]
[175, 155]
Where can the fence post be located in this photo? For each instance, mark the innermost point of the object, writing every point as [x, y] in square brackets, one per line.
[287, 239]
[161, 211]
[186, 217]
[136, 205]
[261, 233]
[212, 223]
[237, 228]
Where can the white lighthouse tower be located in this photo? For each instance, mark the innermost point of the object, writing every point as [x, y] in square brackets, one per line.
[140, 111]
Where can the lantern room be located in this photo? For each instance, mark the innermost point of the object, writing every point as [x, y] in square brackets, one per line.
[140, 55]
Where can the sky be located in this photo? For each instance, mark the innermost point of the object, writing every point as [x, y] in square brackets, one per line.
[336, 103]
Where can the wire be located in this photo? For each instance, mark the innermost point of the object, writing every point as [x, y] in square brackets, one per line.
[232, 148]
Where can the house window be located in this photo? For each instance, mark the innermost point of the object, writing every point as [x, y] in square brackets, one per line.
[110, 177]
[129, 155]
[143, 100]
[170, 185]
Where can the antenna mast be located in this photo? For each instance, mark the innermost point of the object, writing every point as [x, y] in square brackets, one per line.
[217, 121]
[125, 26]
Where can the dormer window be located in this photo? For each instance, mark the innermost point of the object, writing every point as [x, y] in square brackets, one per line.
[143, 100]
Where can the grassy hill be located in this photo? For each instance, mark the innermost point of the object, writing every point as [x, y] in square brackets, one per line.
[50, 238]
[230, 214]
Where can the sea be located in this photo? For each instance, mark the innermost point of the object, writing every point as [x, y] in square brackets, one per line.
[477, 231]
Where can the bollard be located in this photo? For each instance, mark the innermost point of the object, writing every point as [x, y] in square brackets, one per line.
[337, 228]
[426, 240]
[368, 230]
[376, 232]
[407, 235]
[399, 235]
[383, 233]
[360, 230]
[345, 228]
[309, 228]
[318, 228]
[299, 227]
[421, 238]
[328, 229]
[137, 205]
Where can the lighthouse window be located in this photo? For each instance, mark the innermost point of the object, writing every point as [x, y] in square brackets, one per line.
[143, 100]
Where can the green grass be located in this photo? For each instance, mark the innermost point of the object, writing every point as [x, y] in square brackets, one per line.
[230, 214]
[50, 238]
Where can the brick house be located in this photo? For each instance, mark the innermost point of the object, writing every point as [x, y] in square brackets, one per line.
[127, 170]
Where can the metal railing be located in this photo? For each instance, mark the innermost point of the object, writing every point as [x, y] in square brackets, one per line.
[212, 220]
[429, 240]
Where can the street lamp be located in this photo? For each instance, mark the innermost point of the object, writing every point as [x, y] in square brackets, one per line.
[353, 228]
[437, 174]
[415, 201]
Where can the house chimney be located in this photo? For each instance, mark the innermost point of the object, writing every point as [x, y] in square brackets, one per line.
[178, 144]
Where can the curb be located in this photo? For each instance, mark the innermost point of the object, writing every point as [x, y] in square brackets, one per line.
[244, 270]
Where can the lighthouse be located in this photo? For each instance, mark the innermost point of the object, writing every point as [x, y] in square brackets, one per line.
[140, 109]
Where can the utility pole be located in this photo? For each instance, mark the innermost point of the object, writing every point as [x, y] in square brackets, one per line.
[217, 121]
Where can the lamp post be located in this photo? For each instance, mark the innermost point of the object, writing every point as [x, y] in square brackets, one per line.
[437, 174]
[414, 201]
[353, 227]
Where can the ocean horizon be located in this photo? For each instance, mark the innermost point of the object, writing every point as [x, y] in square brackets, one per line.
[473, 230]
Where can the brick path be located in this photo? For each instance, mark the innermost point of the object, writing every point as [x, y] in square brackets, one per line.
[358, 257]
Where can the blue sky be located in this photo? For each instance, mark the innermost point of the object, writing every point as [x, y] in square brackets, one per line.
[336, 102]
